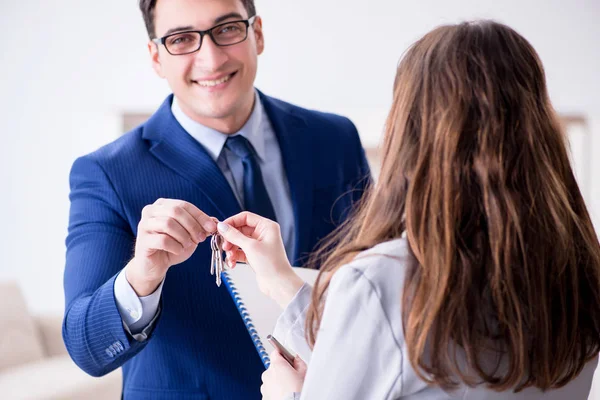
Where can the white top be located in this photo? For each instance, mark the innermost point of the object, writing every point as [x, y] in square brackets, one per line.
[360, 351]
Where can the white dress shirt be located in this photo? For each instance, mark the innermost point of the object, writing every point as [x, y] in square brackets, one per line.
[139, 313]
[360, 351]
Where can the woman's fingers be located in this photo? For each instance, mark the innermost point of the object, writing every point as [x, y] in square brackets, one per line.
[233, 236]
[235, 256]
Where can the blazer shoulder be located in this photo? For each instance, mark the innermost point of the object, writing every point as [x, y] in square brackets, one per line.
[113, 161]
[328, 125]
[119, 149]
[325, 117]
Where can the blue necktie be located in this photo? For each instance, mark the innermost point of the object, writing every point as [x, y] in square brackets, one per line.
[256, 198]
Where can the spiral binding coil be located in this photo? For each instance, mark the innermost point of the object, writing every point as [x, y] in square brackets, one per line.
[264, 356]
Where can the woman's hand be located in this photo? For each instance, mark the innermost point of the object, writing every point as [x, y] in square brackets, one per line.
[256, 240]
[281, 378]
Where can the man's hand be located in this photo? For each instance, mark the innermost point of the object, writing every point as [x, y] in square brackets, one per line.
[168, 234]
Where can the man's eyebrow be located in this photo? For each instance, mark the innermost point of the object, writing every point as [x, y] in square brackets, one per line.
[228, 16]
[179, 29]
[217, 21]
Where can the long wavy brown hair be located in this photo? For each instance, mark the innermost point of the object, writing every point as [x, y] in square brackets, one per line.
[476, 174]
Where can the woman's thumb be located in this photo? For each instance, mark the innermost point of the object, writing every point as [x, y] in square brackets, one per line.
[232, 235]
[300, 365]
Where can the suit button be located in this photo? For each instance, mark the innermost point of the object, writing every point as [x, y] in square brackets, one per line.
[109, 353]
[119, 346]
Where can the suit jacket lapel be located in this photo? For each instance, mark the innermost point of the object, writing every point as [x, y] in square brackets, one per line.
[173, 146]
[295, 143]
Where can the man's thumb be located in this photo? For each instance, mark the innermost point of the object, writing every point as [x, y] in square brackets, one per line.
[232, 235]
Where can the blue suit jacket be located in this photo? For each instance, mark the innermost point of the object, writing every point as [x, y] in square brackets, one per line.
[199, 348]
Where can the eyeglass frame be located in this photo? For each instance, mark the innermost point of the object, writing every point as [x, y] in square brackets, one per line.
[248, 22]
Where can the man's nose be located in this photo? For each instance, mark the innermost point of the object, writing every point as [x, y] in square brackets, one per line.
[210, 56]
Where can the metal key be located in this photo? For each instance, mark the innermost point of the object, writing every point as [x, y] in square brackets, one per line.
[216, 262]
[219, 245]
[212, 256]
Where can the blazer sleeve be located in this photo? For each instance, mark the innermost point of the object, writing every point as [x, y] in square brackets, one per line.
[99, 244]
[356, 355]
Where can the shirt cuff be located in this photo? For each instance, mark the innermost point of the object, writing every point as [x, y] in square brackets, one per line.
[138, 313]
[145, 333]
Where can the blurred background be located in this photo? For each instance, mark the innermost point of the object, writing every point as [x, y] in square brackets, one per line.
[74, 75]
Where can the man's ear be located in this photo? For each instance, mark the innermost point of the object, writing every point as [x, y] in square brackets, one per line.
[258, 34]
[155, 57]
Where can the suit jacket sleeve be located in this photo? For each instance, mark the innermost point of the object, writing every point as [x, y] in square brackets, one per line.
[99, 244]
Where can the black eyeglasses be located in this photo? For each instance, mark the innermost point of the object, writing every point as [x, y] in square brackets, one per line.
[225, 34]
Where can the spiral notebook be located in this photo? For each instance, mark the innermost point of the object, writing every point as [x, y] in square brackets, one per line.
[258, 311]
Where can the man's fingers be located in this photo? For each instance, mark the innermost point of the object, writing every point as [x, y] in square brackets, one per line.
[188, 221]
[170, 227]
[207, 223]
[198, 224]
[161, 241]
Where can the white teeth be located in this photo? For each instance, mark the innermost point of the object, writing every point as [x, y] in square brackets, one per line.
[214, 83]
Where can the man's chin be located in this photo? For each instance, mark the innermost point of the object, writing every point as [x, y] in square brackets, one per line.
[217, 111]
[211, 106]
[212, 109]
[222, 118]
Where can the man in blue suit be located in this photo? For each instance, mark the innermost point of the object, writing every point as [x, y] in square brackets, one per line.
[147, 202]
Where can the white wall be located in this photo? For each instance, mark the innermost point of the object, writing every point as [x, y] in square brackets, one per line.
[69, 68]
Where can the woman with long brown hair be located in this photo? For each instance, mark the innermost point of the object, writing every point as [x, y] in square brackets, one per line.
[471, 268]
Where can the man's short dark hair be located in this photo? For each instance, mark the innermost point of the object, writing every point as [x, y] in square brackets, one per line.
[147, 8]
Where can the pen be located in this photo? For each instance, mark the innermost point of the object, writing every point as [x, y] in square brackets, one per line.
[289, 357]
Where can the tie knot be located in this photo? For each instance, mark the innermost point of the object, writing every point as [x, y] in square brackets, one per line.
[240, 146]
